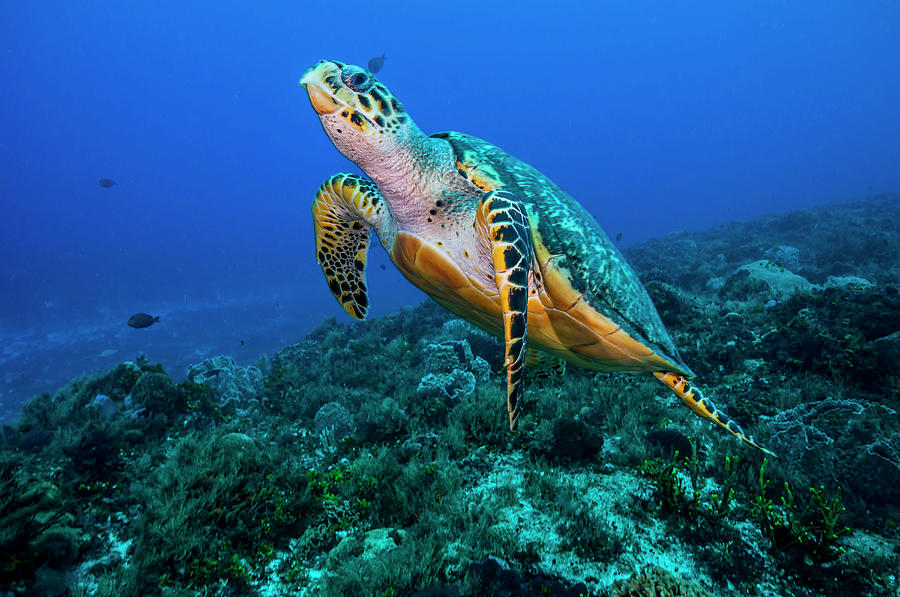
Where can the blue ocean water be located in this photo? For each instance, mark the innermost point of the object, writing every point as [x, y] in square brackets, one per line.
[655, 117]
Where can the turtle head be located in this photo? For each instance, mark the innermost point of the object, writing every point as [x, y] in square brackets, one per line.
[360, 115]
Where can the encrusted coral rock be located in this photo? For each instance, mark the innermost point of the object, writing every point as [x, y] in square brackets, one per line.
[654, 581]
[226, 380]
[573, 439]
[303, 353]
[780, 280]
[887, 349]
[802, 444]
[458, 329]
[822, 441]
[38, 529]
[444, 357]
[380, 420]
[741, 287]
[875, 476]
[236, 446]
[482, 344]
[372, 545]
[333, 422]
[455, 385]
[456, 557]
[492, 576]
[451, 371]
[104, 406]
[852, 283]
[784, 255]
[804, 436]
[379, 541]
[156, 392]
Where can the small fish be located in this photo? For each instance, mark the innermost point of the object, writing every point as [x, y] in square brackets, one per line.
[618, 237]
[106, 182]
[382, 266]
[108, 352]
[142, 320]
[242, 342]
[376, 63]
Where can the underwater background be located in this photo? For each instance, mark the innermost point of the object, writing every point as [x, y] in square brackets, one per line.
[656, 117]
[161, 158]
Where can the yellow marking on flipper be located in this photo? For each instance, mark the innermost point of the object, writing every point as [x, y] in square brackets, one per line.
[506, 223]
[346, 208]
[703, 407]
[342, 242]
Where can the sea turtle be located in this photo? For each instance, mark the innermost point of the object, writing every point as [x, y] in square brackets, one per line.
[485, 235]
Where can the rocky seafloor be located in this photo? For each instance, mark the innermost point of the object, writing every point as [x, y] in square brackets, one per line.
[375, 458]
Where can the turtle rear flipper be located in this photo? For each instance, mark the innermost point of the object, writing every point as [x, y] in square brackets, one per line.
[346, 209]
[703, 407]
[503, 222]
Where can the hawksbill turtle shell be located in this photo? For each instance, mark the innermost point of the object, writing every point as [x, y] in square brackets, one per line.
[485, 235]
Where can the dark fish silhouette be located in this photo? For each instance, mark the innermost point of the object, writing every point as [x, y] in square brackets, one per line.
[618, 237]
[382, 266]
[106, 182]
[376, 63]
[142, 320]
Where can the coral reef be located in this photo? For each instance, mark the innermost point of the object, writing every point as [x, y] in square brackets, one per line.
[375, 458]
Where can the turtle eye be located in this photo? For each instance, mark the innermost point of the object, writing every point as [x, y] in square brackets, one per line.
[356, 80]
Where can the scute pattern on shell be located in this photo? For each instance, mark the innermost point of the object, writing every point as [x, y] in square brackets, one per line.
[597, 268]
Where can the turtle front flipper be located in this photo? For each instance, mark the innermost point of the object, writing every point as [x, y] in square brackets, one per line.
[346, 209]
[703, 407]
[503, 221]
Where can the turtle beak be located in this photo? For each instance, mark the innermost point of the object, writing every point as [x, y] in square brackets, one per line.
[321, 102]
[313, 81]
